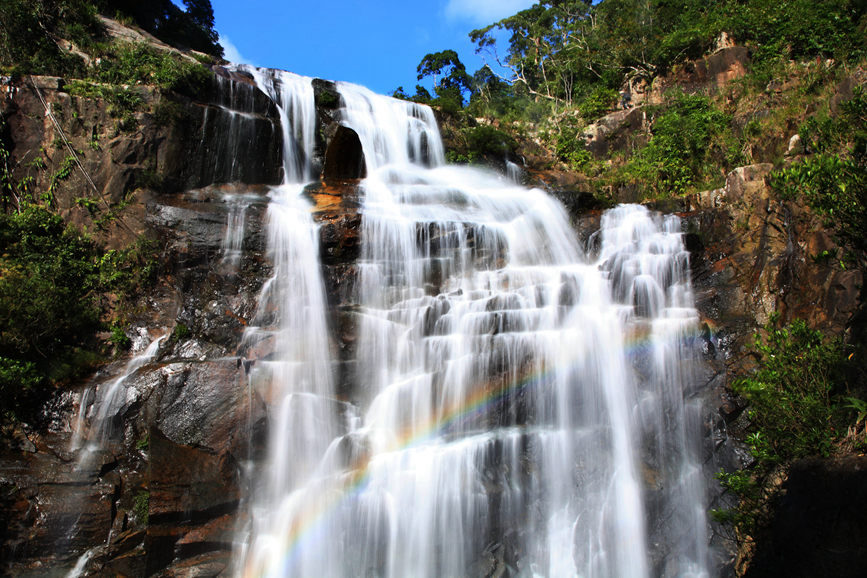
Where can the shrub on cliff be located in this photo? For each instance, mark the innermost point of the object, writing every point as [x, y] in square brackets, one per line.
[54, 281]
[48, 306]
[31, 33]
[833, 182]
[692, 145]
[797, 408]
[138, 63]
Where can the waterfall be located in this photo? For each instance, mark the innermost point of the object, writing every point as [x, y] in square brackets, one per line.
[108, 400]
[293, 95]
[296, 380]
[520, 406]
[233, 242]
[514, 172]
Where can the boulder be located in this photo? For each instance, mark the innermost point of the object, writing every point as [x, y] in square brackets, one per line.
[618, 131]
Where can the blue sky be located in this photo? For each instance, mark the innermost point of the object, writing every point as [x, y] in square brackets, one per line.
[377, 43]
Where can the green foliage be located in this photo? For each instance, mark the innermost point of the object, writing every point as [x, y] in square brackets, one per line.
[689, 138]
[799, 28]
[48, 307]
[844, 134]
[795, 410]
[119, 337]
[126, 63]
[31, 32]
[181, 331]
[599, 102]
[67, 165]
[570, 145]
[126, 271]
[141, 506]
[485, 141]
[491, 97]
[834, 187]
[53, 280]
[834, 182]
[561, 50]
[791, 392]
[450, 79]
[123, 101]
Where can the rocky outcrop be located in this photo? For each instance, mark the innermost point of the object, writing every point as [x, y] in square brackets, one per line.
[92, 158]
[753, 254]
[710, 73]
[763, 255]
[618, 131]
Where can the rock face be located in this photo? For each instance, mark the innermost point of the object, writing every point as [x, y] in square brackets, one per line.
[705, 74]
[762, 255]
[93, 159]
[753, 254]
[616, 132]
[815, 532]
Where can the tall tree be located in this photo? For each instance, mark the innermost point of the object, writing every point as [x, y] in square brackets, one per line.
[449, 74]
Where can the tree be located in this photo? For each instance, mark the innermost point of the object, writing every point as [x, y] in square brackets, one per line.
[490, 95]
[449, 74]
[543, 44]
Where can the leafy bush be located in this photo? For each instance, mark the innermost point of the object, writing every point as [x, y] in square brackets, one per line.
[53, 281]
[48, 306]
[791, 392]
[487, 140]
[31, 29]
[691, 139]
[796, 410]
[799, 28]
[834, 182]
[600, 101]
[138, 63]
[570, 145]
[834, 187]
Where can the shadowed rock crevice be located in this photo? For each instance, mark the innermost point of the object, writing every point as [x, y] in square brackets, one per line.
[344, 158]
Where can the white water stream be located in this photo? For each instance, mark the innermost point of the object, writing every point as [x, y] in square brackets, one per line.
[520, 407]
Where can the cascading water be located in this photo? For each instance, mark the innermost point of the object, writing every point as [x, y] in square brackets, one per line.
[109, 400]
[293, 95]
[519, 406]
[296, 380]
[234, 239]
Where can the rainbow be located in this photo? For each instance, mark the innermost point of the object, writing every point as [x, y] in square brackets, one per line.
[482, 398]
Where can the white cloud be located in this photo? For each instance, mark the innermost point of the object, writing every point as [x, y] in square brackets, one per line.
[485, 11]
[231, 52]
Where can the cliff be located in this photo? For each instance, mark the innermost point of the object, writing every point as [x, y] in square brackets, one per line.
[162, 498]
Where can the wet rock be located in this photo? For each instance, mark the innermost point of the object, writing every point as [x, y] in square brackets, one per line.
[327, 100]
[51, 508]
[188, 483]
[192, 496]
[202, 566]
[204, 404]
